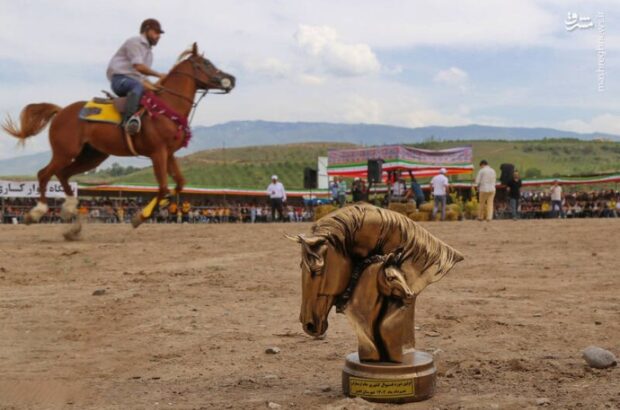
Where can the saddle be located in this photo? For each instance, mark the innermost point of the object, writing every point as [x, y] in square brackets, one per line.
[109, 109]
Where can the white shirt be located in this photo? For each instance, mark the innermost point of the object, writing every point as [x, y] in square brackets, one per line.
[136, 50]
[556, 193]
[486, 179]
[398, 189]
[440, 183]
[276, 191]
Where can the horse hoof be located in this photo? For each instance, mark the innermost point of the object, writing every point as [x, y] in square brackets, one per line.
[136, 220]
[28, 219]
[73, 233]
[67, 216]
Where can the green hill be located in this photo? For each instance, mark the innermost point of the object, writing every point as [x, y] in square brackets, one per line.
[251, 167]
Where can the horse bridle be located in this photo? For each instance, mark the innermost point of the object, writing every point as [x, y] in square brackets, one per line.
[359, 267]
[193, 76]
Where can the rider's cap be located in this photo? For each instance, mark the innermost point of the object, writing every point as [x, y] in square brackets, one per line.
[150, 23]
[274, 177]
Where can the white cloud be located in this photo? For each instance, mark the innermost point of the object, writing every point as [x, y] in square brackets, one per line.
[360, 109]
[453, 76]
[605, 123]
[310, 79]
[270, 66]
[323, 44]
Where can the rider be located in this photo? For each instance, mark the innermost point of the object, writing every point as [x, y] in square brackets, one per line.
[129, 67]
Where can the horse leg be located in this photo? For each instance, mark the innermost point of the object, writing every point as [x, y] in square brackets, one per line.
[175, 172]
[160, 168]
[44, 176]
[88, 159]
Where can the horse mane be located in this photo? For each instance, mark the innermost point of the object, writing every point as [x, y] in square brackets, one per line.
[417, 243]
[185, 53]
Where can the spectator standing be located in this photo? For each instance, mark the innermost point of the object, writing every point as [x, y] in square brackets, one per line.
[415, 191]
[514, 194]
[186, 207]
[333, 188]
[172, 212]
[398, 190]
[357, 190]
[277, 197]
[556, 200]
[485, 181]
[440, 185]
[342, 192]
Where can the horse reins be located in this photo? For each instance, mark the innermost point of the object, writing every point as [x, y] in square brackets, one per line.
[203, 93]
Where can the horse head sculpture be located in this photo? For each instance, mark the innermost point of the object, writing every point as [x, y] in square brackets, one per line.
[325, 275]
[372, 263]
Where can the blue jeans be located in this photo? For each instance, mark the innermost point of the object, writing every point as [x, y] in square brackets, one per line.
[514, 207]
[557, 205]
[440, 199]
[123, 85]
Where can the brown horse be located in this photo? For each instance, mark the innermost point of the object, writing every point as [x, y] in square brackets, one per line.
[79, 145]
[343, 239]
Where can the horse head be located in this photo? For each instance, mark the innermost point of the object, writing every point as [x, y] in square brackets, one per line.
[325, 274]
[206, 75]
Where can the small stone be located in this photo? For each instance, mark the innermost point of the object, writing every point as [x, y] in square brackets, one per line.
[271, 376]
[99, 292]
[273, 405]
[598, 322]
[308, 392]
[272, 350]
[326, 389]
[432, 334]
[599, 358]
[537, 315]
[543, 401]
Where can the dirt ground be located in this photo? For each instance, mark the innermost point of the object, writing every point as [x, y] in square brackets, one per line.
[188, 312]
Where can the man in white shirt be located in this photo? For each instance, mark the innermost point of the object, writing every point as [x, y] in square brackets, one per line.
[556, 200]
[485, 181]
[277, 197]
[130, 66]
[440, 185]
[398, 190]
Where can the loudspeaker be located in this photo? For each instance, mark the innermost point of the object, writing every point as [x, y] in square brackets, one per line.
[507, 173]
[375, 170]
[310, 178]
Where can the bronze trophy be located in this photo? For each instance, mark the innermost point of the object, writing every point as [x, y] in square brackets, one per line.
[371, 263]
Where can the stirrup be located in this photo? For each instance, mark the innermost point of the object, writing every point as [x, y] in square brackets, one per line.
[133, 125]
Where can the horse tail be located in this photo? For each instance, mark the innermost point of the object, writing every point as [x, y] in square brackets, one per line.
[32, 120]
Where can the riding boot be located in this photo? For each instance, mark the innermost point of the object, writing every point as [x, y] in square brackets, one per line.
[132, 122]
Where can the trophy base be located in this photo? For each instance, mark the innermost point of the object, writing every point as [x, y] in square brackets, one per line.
[412, 380]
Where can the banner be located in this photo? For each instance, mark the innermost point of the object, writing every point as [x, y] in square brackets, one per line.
[12, 189]
[354, 162]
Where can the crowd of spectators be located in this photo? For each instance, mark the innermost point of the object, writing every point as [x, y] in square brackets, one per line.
[532, 205]
[593, 204]
[117, 211]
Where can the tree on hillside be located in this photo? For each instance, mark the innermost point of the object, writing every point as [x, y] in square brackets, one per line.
[533, 173]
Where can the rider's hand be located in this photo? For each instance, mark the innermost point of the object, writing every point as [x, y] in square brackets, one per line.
[150, 86]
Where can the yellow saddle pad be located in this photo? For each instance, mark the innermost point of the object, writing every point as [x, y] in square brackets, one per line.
[100, 112]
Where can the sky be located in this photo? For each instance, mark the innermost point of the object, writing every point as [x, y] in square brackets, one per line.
[526, 63]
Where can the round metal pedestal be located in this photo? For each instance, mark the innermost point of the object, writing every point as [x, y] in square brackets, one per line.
[411, 380]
